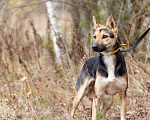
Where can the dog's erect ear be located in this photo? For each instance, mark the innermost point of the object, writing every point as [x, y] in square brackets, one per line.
[96, 24]
[111, 23]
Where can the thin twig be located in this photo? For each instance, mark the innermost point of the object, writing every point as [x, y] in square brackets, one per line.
[137, 83]
[119, 14]
[3, 3]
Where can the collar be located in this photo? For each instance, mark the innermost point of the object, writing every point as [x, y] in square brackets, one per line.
[121, 45]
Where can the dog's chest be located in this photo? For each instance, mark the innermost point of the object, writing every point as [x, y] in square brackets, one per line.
[113, 83]
[116, 86]
[110, 64]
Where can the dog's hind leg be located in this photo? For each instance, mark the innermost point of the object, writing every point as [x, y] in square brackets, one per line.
[80, 94]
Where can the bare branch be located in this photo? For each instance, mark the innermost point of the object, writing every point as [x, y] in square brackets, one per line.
[38, 3]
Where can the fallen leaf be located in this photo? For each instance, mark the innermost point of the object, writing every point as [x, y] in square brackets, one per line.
[29, 92]
[23, 79]
[64, 104]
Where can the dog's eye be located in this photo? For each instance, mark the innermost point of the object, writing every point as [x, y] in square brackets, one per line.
[105, 36]
[94, 36]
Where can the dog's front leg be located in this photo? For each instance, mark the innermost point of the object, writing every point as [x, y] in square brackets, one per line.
[94, 108]
[99, 91]
[123, 103]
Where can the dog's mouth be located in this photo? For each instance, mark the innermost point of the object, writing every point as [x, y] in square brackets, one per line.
[98, 48]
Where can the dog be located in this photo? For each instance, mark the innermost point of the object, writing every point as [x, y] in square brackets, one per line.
[104, 75]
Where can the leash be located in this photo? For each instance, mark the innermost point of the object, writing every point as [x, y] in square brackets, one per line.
[136, 43]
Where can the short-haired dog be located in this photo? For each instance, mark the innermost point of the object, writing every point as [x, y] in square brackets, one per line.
[105, 75]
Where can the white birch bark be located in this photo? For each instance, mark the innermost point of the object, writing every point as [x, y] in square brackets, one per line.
[54, 29]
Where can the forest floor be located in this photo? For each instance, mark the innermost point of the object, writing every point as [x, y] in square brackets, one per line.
[46, 93]
[138, 97]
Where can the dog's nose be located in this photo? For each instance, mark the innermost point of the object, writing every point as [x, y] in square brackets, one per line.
[95, 47]
[98, 47]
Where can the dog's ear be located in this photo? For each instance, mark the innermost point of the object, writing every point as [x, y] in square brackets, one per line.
[111, 23]
[96, 24]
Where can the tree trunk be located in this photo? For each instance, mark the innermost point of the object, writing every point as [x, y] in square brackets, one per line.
[54, 28]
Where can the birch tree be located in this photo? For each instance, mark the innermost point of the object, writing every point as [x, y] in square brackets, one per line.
[53, 26]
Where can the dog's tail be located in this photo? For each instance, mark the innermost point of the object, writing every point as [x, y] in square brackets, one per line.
[135, 44]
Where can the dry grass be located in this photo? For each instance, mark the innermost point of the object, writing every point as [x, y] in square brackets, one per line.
[33, 86]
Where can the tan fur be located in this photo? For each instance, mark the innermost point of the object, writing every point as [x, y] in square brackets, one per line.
[111, 24]
[108, 41]
[96, 24]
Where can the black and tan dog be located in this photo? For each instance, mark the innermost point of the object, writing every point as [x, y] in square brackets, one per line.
[105, 75]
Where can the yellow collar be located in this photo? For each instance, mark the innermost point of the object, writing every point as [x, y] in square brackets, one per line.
[121, 45]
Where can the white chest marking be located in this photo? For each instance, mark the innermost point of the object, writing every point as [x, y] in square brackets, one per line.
[110, 64]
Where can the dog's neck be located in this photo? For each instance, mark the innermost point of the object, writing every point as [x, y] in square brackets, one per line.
[111, 49]
[112, 62]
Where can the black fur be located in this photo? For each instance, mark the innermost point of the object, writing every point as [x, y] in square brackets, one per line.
[98, 48]
[96, 63]
[108, 31]
[102, 69]
[120, 67]
[87, 70]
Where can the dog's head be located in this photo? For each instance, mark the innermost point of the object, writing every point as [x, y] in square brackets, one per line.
[105, 37]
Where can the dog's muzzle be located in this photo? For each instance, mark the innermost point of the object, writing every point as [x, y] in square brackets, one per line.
[98, 48]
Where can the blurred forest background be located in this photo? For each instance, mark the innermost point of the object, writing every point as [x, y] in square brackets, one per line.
[43, 45]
